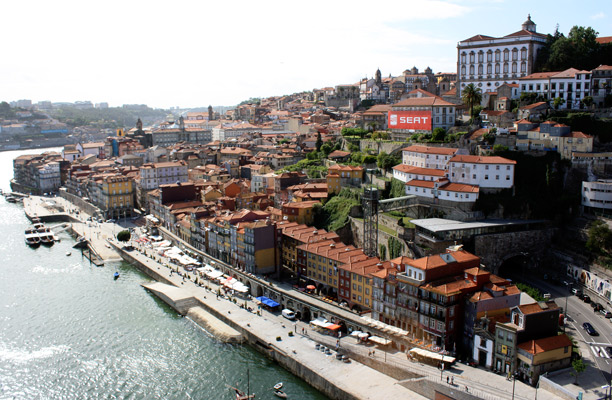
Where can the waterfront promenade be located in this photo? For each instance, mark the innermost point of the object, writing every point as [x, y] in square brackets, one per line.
[356, 379]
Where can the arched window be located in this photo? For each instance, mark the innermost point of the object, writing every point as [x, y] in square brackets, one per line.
[472, 57]
[480, 69]
[497, 55]
[514, 68]
[463, 70]
[489, 69]
[514, 54]
[523, 53]
[505, 68]
[480, 56]
[489, 56]
[471, 69]
[506, 54]
[523, 67]
[463, 55]
[497, 68]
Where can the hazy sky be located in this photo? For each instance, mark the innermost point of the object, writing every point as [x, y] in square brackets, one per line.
[195, 53]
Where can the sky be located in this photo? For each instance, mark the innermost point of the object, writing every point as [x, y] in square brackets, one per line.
[192, 53]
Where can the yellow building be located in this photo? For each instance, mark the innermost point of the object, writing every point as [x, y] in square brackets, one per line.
[116, 195]
[211, 194]
[300, 212]
[333, 183]
[356, 281]
[536, 357]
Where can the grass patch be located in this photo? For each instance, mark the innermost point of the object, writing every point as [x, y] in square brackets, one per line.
[380, 228]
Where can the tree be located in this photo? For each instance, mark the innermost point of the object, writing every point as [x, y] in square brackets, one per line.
[319, 141]
[579, 367]
[124, 236]
[599, 237]
[489, 138]
[558, 102]
[313, 155]
[382, 251]
[369, 159]
[471, 96]
[587, 101]
[439, 134]
[326, 149]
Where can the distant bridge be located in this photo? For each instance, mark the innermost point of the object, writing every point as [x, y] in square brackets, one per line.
[397, 203]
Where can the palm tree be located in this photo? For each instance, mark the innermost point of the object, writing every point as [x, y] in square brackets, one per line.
[471, 96]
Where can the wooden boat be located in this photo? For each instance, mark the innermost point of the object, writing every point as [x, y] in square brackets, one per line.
[278, 386]
[116, 275]
[32, 241]
[280, 393]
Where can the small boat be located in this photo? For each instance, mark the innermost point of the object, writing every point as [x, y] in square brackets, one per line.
[68, 253]
[32, 241]
[116, 275]
[280, 393]
[11, 199]
[278, 386]
[47, 240]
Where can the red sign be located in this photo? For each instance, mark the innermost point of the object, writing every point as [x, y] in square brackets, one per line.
[420, 120]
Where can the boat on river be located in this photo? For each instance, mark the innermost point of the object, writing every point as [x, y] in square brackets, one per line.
[280, 393]
[39, 234]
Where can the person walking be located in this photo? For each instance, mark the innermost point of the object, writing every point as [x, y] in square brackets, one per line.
[447, 380]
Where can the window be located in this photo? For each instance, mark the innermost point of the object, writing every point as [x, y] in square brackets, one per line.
[473, 176]
[472, 57]
[480, 69]
[505, 68]
[497, 55]
[489, 69]
[463, 70]
[497, 68]
[496, 177]
[471, 70]
[514, 68]
[480, 57]
[486, 177]
[507, 177]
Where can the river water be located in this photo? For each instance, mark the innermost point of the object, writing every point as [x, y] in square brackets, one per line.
[69, 331]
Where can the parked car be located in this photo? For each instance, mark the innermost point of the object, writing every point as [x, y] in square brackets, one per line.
[288, 314]
[606, 313]
[586, 299]
[577, 292]
[589, 329]
[596, 307]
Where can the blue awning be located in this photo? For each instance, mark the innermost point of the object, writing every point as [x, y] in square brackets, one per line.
[268, 302]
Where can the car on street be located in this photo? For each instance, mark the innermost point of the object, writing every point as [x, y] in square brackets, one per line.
[577, 292]
[586, 299]
[606, 313]
[589, 329]
[609, 350]
[597, 307]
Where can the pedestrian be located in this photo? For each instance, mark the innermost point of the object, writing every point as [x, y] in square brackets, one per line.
[372, 353]
[447, 380]
[452, 380]
[466, 389]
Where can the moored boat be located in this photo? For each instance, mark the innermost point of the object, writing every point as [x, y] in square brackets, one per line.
[280, 393]
[116, 275]
[32, 240]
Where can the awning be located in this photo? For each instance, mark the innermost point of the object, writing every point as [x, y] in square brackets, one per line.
[355, 333]
[432, 355]
[322, 322]
[268, 302]
[333, 327]
[379, 340]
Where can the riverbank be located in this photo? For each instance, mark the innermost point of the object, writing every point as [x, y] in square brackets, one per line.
[378, 372]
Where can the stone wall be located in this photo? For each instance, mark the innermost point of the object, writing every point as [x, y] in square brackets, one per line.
[557, 390]
[386, 146]
[494, 249]
[80, 203]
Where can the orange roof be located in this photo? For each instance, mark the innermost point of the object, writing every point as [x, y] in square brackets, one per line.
[423, 102]
[547, 344]
[577, 134]
[419, 183]
[481, 160]
[534, 105]
[419, 171]
[460, 187]
[430, 150]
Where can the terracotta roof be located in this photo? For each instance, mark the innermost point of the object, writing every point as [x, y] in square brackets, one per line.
[430, 150]
[419, 171]
[525, 32]
[534, 105]
[604, 39]
[481, 160]
[419, 183]
[605, 67]
[523, 121]
[423, 102]
[338, 153]
[577, 134]
[547, 344]
[460, 187]
[478, 37]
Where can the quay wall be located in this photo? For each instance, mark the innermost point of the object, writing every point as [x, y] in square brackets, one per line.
[289, 362]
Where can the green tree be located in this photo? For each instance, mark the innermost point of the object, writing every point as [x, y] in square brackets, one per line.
[319, 141]
[124, 236]
[382, 252]
[369, 159]
[499, 148]
[386, 161]
[471, 96]
[489, 138]
[326, 149]
[558, 102]
[579, 367]
[587, 101]
[528, 98]
[313, 155]
[599, 237]
[439, 134]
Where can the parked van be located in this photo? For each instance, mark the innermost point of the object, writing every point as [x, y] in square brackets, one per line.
[287, 313]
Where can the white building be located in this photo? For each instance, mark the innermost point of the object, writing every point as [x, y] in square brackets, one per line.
[571, 85]
[49, 177]
[597, 194]
[485, 172]
[406, 173]
[164, 173]
[95, 148]
[429, 157]
[489, 62]
[443, 190]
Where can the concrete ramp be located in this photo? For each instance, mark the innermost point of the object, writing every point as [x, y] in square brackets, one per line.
[215, 326]
[179, 299]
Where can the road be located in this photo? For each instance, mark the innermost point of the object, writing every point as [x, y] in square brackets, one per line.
[579, 312]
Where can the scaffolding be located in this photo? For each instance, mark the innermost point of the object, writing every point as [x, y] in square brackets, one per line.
[370, 221]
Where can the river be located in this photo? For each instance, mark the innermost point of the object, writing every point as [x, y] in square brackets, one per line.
[69, 331]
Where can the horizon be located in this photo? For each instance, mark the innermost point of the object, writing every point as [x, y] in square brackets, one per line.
[199, 54]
